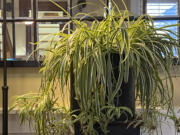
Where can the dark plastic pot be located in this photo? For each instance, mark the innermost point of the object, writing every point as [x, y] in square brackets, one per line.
[127, 99]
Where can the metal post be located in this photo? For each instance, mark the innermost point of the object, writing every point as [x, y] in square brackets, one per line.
[144, 6]
[179, 21]
[5, 87]
[35, 25]
[73, 104]
[179, 8]
[107, 4]
[13, 31]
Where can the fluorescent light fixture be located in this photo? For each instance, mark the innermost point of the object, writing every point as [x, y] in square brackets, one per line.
[28, 22]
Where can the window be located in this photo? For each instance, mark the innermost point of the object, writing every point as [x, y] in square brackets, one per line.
[29, 21]
[161, 23]
[162, 9]
[165, 9]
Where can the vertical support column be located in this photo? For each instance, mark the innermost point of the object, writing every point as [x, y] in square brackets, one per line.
[13, 31]
[144, 6]
[178, 8]
[72, 93]
[107, 4]
[35, 25]
[179, 20]
[178, 27]
[5, 87]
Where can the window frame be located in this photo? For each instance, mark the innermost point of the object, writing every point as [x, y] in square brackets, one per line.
[165, 18]
[37, 20]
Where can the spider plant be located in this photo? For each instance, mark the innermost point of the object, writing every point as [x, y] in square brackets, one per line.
[139, 46]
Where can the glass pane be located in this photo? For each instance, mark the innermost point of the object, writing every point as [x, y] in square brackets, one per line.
[135, 7]
[8, 8]
[121, 5]
[161, 23]
[46, 34]
[23, 8]
[47, 9]
[24, 36]
[162, 8]
[9, 42]
[1, 8]
[91, 7]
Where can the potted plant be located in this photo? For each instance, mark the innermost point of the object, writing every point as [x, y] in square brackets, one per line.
[98, 63]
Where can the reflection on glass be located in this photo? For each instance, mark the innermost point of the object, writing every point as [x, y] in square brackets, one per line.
[91, 7]
[164, 8]
[8, 8]
[20, 40]
[46, 34]
[9, 45]
[161, 23]
[135, 7]
[47, 9]
[21, 8]
[23, 37]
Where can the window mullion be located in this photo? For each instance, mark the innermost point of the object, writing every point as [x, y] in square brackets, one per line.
[13, 30]
[35, 26]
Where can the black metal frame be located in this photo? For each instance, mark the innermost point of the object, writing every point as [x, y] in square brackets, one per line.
[35, 20]
[5, 87]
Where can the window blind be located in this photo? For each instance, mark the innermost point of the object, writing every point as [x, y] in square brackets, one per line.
[162, 9]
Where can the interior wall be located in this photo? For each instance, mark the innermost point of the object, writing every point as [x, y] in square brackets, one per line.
[25, 80]
[20, 81]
